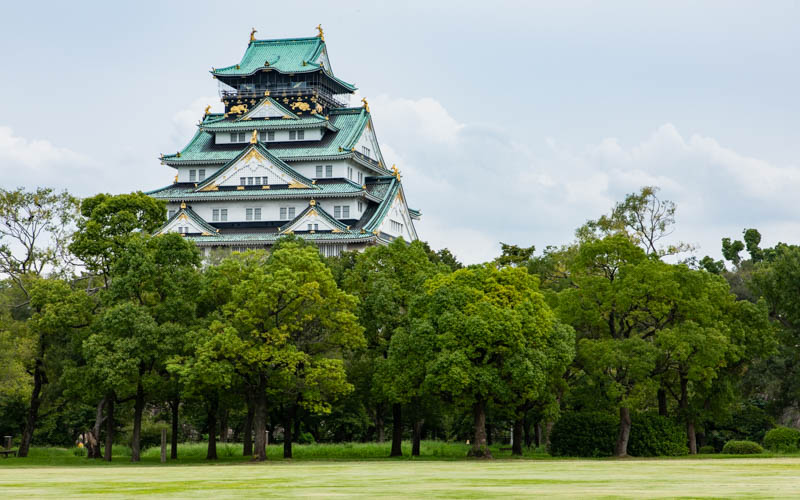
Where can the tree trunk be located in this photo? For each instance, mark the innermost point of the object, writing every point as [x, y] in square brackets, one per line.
[39, 380]
[379, 424]
[397, 430]
[526, 431]
[662, 402]
[480, 449]
[415, 444]
[213, 409]
[138, 407]
[260, 420]
[223, 426]
[621, 449]
[175, 404]
[111, 397]
[537, 433]
[288, 428]
[684, 403]
[247, 448]
[516, 445]
[548, 430]
[93, 436]
[489, 434]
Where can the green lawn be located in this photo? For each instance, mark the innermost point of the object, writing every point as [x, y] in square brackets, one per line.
[672, 478]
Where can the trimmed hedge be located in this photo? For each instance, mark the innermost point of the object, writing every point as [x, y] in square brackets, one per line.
[656, 436]
[707, 449]
[594, 434]
[584, 434]
[783, 439]
[742, 448]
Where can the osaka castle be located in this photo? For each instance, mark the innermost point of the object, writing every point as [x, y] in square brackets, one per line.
[287, 156]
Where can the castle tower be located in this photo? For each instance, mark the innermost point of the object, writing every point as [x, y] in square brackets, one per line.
[288, 156]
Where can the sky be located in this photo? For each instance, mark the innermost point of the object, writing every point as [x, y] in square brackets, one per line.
[510, 122]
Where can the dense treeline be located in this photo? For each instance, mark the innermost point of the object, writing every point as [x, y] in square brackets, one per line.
[614, 344]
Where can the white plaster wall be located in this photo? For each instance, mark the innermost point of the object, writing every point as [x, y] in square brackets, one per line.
[310, 134]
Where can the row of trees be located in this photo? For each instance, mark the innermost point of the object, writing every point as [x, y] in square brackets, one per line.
[107, 329]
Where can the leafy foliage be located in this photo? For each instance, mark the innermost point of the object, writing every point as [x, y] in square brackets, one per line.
[783, 439]
[742, 448]
[584, 434]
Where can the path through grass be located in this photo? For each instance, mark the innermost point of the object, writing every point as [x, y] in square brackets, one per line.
[693, 478]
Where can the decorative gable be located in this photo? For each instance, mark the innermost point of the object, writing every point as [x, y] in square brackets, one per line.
[367, 144]
[253, 163]
[268, 108]
[186, 221]
[313, 218]
[397, 221]
[324, 61]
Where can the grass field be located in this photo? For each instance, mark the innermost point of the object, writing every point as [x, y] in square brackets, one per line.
[687, 478]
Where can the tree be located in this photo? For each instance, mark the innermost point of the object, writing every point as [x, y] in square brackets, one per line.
[58, 311]
[385, 279]
[279, 307]
[35, 228]
[154, 291]
[490, 329]
[514, 255]
[106, 224]
[619, 299]
[644, 218]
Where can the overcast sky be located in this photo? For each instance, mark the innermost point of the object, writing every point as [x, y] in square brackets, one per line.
[510, 121]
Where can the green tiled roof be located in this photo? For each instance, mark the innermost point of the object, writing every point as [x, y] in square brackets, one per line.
[350, 122]
[323, 190]
[313, 121]
[267, 238]
[291, 55]
[383, 208]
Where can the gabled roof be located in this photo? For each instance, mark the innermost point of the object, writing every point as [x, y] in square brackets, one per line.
[186, 213]
[290, 55]
[269, 101]
[258, 149]
[339, 188]
[350, 123]
[311, 210]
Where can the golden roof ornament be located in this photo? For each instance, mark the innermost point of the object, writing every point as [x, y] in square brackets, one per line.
[183, 205]
[366, 104]
[395, 172]
[208, 110]
[176, 178]
[321, 34]
[253, 35]
[254, 137]
[312, 202]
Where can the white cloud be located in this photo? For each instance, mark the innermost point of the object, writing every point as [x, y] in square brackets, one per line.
[476, 187]
[184, 121]
[38, 162]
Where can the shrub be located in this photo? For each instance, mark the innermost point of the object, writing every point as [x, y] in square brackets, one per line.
[707, 449]
[783, 439]
[654, 436]
[742, 448]
[587, 434]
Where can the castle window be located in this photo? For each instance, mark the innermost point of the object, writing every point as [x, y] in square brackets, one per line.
[234, 135]
[361, 178]
[215, 215]
[241, 136]
[242, 181]
[262, 136]
[397, 227]
[346, 212]
[350, 173]
[287, 213]
[192, 175]
[365, 150]
[249, 181]
[319, 170]
[328, 170]
[292, 135]
[360, 206]
[271, 136]
[253, 214]
[223, 214]
[337, 212]
[313, 227]
[171, 213]
[301, 135]
[201, 174]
